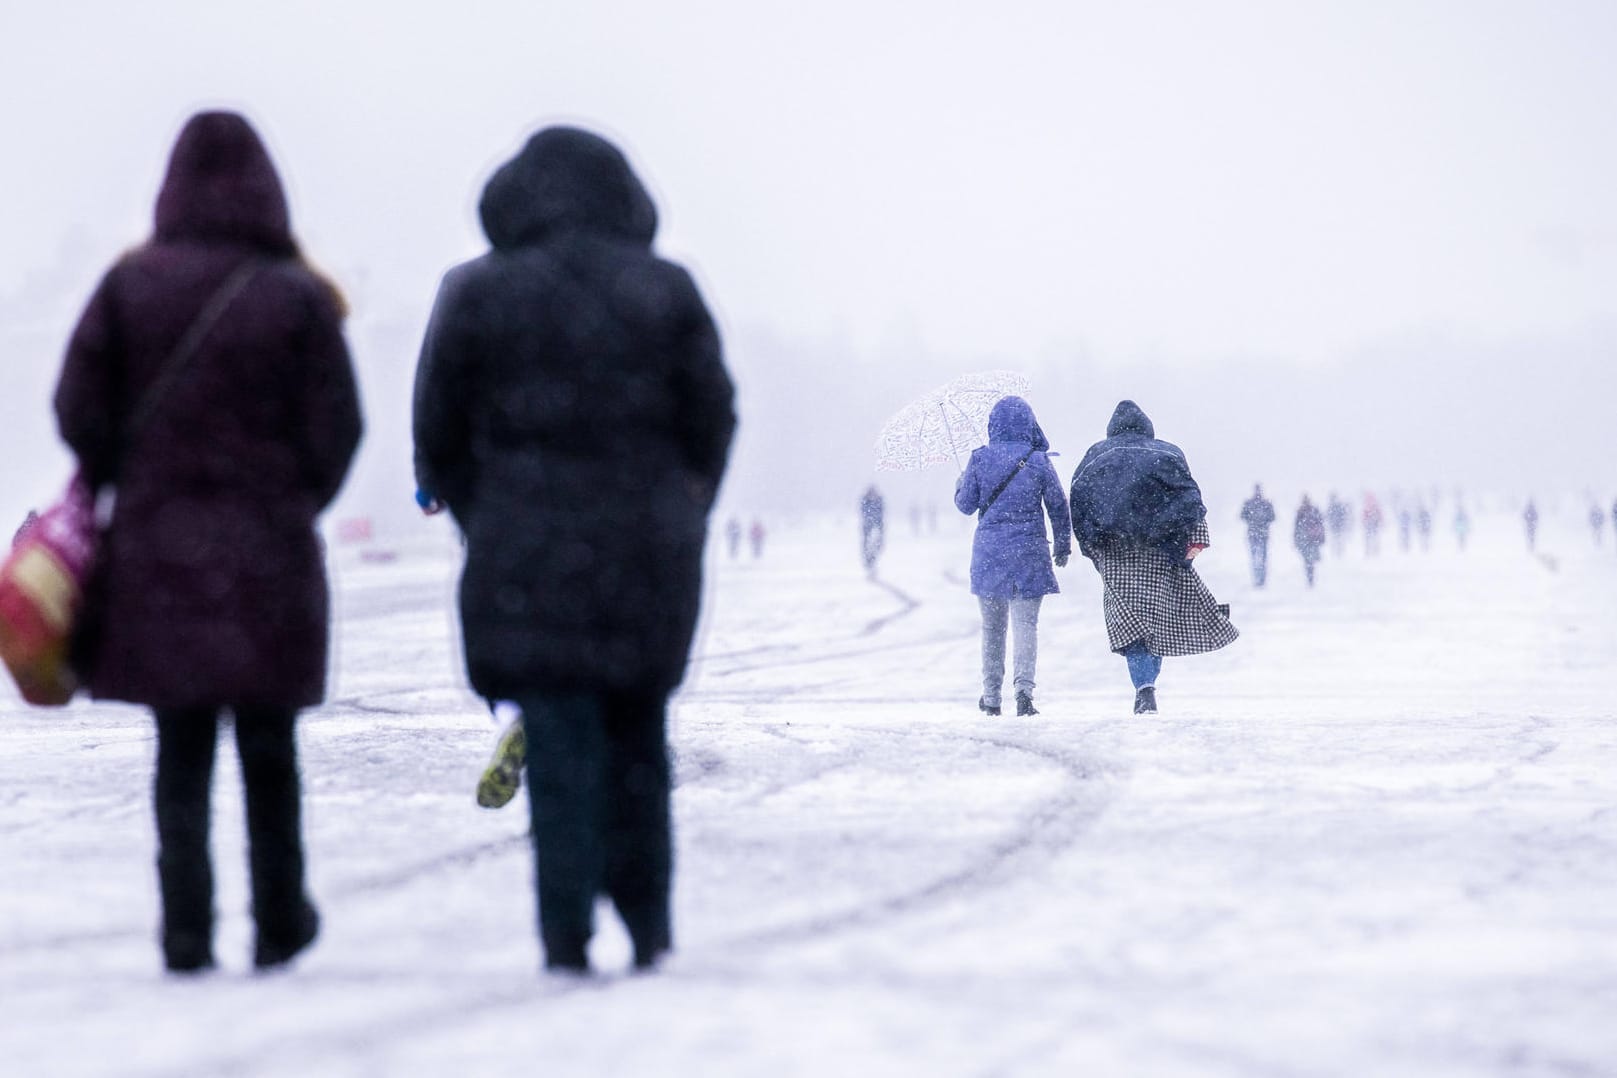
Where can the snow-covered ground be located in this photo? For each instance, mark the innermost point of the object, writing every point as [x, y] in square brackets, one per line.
[1376, 836]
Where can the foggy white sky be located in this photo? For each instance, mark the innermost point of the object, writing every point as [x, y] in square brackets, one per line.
[911, 187]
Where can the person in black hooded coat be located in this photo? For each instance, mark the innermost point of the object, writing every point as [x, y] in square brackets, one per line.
[573, 411]
[1138, 515]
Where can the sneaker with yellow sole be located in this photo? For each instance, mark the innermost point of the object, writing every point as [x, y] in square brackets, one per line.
[503, 775]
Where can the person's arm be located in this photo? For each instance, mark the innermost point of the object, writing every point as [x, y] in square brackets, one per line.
[329, 412]
[88, 390]
[439, 409]
[967, 489]
[706, 396]
[1200, 540]
[1055, 504]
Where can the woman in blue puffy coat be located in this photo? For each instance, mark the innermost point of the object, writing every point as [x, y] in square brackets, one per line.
[1012, 486]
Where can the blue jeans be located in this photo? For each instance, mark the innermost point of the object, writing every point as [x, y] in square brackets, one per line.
[1143, 666]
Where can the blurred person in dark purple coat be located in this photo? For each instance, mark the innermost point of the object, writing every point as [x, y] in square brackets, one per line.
[210, 590]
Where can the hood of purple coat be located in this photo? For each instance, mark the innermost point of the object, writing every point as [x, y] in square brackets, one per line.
[221, 186]
[1012, 420]
[566, 179]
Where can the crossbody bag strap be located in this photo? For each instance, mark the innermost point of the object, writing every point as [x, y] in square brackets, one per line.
[1020, 464]
[183, 352]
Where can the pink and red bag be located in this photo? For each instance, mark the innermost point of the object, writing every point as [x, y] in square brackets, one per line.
[42, 585]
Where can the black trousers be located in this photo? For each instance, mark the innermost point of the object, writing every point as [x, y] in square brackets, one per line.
[185, 753]
[598, 791]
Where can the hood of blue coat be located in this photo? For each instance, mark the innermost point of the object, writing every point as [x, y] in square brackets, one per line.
[1129, 418]
[566, 180]
[1012, 421]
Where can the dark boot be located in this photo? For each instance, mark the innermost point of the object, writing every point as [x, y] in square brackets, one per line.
[185, 750]
[566, 764]
[639, 831]
[985, 707]
[278, 950]
[287, 921]
[186, 952]
[1145, 701]
[1024, 704]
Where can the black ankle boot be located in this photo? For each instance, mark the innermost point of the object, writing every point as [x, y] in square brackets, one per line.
[1145, 700]
[187, 952]
[271, 952]
[985, 707]
[1024, 704]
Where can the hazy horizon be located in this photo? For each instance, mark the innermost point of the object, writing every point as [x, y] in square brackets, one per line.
[1338, 245]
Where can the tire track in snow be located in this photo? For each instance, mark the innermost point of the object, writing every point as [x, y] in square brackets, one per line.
[1052, 826]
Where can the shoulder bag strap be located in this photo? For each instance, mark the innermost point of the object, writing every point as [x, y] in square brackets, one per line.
[1020, 464]
[184, 351]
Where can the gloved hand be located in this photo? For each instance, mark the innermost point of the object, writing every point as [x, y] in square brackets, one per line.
[1061, 561]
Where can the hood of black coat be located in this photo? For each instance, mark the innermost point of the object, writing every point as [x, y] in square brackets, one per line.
[1012, 421]
[1129, 418]
[566, 180]
[222, 186]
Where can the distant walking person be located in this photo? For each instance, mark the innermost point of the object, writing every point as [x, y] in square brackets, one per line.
[1597, 521]
[1423, 525]
[573, 410]
[872, 525]
[755, 536]
[226, 351]
[1011, 486]
[1259, 514]
[1308, 534]
[732, 536]
[1338, 517]
[1462, 525]
[1530, 520]
[1138, 515]
[1371, 518]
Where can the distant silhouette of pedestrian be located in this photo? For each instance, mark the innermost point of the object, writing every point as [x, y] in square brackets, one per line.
[1338, 517]
[872, 526]
[1462, 525]
[1530, 519]
[732, 536]
[1423, 525]
[756, 534]
[1371, 516]
[1308, 533]
[1259, 514]
[1406, 522]
[1597, 521]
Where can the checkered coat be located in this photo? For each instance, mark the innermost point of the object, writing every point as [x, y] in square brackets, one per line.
[1151, 597]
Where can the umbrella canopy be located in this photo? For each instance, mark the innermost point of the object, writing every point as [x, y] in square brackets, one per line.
[945, 425]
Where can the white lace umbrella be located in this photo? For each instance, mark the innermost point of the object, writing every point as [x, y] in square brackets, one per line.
[946, 424]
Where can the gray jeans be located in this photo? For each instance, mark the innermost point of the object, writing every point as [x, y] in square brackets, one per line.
[1023, 616]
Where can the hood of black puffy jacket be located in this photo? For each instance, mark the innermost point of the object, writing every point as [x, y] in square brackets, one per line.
[1129, 418]
[566, 180]
[1012, 421]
